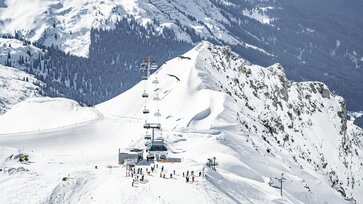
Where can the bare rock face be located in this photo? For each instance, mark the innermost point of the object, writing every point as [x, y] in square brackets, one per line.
[299, 116]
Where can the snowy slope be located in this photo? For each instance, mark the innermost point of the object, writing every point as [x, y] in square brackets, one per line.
[16, 86]
[55, 113]
[219, 107]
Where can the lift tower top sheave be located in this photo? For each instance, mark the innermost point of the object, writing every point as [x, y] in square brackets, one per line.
[147, 66]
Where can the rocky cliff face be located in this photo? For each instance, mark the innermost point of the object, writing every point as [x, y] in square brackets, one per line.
[302, 118]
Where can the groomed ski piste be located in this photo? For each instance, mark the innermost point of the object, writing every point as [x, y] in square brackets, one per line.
[199, 121]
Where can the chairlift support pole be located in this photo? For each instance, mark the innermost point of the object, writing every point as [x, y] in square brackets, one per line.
[152, 135]
[281, 180]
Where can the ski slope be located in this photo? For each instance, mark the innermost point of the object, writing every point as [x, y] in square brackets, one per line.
[55, 113]
[203, 115]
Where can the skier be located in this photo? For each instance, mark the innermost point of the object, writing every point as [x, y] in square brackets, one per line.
[193, 179]
[171, 175]
[183, 174]
[174, 172]
[162, 168]
[200, 174]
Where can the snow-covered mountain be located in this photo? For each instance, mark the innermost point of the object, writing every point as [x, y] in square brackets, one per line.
[67, 24]
[303, 37]
[256, 122]
[19, 54]
[16, 86]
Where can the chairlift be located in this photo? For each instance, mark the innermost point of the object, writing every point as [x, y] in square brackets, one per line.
[146, 111]
[144, 78]
[145, 95]
[159, 148]
[156, 98]
[153, 66]
[157, 114]
[155, 81]
[143, 65]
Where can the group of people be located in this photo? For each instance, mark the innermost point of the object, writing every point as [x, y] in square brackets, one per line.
[162, 175]
[187, 176]
[138, 174]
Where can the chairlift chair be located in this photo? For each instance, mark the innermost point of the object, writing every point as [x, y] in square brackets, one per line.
[155, 81]
[145, 95]
[144, 78]
[146, 125]
[156, 98]
[157, 114]
[153, 66]
[143, 65]
[146, 111]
